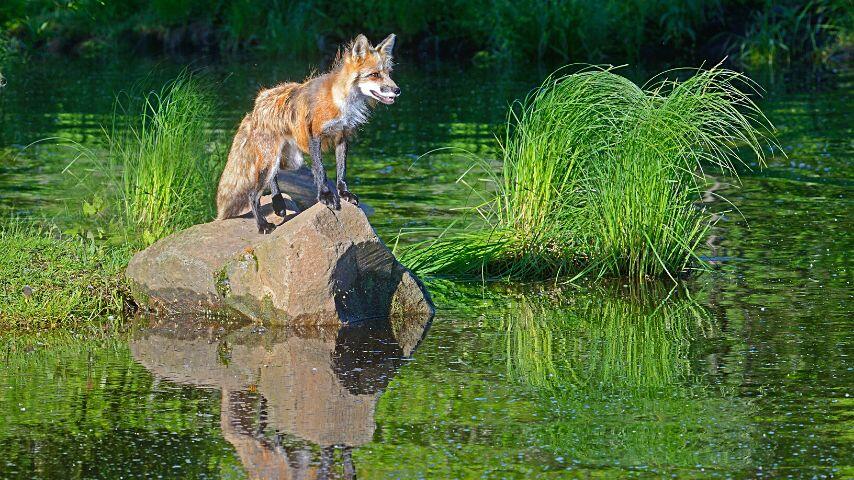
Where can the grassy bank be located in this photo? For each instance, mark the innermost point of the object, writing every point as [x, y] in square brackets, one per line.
[156, 175]
[603, 177]
[611, 30]
[50, 281]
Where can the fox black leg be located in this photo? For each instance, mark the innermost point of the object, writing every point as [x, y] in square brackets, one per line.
[324, 194]
[255, 203]
[279, 204]
[341, 172]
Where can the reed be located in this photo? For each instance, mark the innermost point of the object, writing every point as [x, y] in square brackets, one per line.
[601, 176]
[166, 158]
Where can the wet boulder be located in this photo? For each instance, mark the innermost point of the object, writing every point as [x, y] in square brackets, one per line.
[319, 267]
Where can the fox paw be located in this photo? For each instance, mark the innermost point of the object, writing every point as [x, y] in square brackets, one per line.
[279, 205]
[349, 196]
[265, 228]
[329, 199]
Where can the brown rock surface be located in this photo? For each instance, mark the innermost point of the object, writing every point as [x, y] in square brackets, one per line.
[320, 267]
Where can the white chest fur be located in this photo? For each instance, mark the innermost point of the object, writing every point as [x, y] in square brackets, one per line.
[354, 112]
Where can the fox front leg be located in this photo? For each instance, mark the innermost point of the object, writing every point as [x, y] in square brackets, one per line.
[324, 194]
[341, 172]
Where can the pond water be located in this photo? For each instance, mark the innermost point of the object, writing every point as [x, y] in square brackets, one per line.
[744, 372]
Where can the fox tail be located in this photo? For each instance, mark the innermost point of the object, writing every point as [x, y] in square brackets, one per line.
[237, 179]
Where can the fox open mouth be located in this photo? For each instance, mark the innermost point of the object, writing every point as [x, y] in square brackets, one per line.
[386, 99]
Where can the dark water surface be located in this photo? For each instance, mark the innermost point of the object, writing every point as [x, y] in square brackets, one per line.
[745, 372]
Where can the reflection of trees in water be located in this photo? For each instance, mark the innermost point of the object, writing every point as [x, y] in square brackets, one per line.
[294, 401]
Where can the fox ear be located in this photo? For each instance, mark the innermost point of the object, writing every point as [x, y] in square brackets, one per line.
[387, 45]
[359, 47]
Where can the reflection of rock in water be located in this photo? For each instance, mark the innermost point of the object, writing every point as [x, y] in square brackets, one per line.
[290, 397]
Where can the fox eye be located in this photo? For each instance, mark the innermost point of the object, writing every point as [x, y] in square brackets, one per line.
[375, 75]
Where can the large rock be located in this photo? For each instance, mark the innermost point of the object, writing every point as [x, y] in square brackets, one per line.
[320, 267]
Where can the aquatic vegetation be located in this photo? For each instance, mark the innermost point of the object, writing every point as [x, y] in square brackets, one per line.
[601, 176]
[165, 160]
[49, 281]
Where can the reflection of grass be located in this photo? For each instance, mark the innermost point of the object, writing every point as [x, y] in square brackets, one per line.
[627, 343]
[48, 281]
[530, 382]
[672, 434]
[600, 175]
[76, 407]
[617, 364]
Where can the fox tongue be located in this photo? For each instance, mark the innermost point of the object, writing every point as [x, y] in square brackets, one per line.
[382, 98]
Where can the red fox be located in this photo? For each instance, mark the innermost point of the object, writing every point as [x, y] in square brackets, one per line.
[295, 118]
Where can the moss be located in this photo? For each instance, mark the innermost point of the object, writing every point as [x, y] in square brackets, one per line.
[223, 286]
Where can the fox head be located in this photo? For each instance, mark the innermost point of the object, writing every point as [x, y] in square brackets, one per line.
[372, 68]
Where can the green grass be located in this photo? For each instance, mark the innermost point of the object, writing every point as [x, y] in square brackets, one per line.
[804, 33]
[160, 170]
[48, 281]
[601, 176]
[157, 175]
[168, 161]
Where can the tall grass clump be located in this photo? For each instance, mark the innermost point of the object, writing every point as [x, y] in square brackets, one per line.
[601, 176]
[166, 160]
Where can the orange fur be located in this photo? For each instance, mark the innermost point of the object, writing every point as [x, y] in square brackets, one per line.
[287, 117]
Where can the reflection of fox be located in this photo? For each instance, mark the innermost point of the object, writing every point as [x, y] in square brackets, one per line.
[295, 118]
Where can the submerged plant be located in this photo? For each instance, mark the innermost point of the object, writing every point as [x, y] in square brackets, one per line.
[600, 175]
